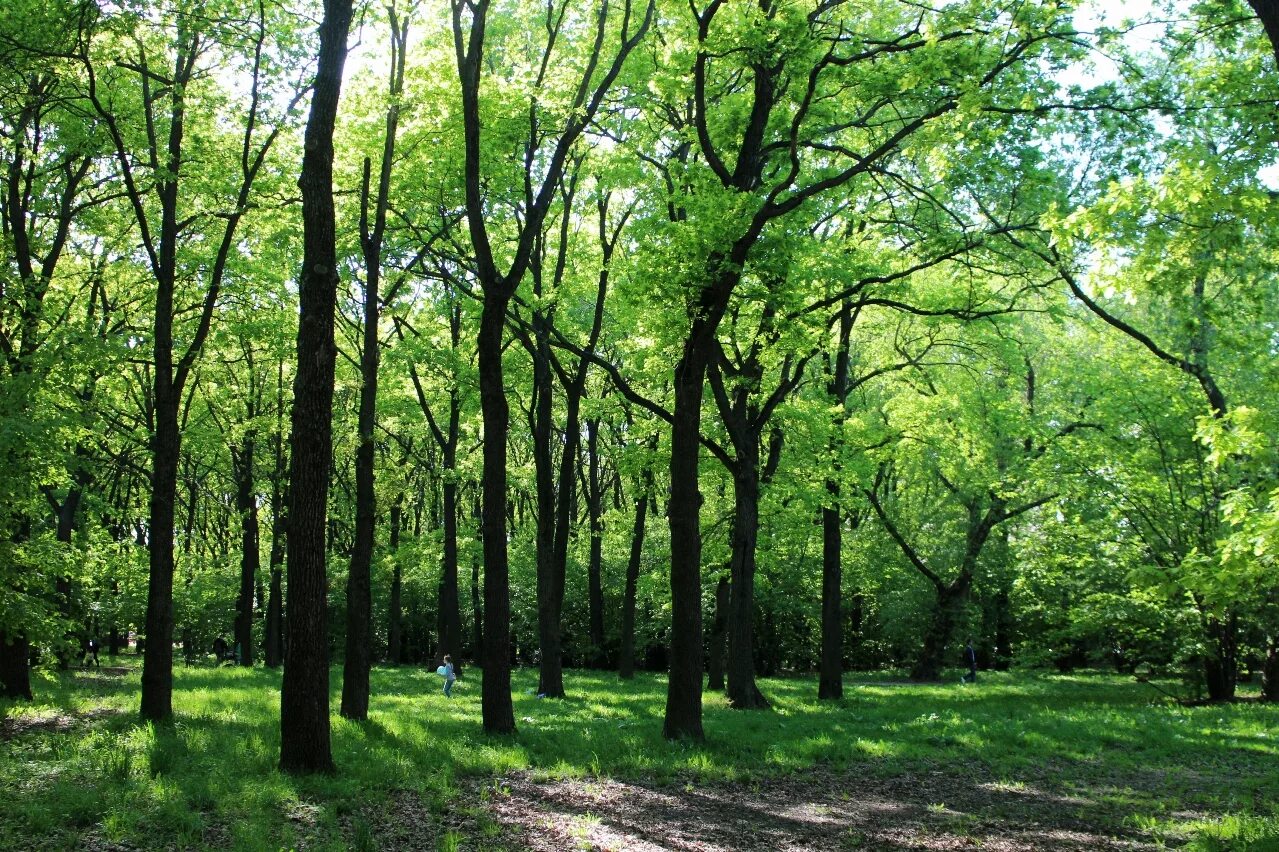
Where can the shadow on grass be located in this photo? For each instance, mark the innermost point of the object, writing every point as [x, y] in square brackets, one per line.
[817, 811]
[1025, 743]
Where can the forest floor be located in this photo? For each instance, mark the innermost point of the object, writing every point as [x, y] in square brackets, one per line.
[932, 810]
[1022, 761]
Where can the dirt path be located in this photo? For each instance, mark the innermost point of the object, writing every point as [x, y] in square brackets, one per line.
[813, 811]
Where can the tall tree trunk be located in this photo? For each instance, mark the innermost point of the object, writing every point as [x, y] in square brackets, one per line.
[157, 663]
[395, 608]
[594, 577]
[683, 718]
[304, 696]
[743, 693]
[1004, 627]
[450, 613]
[626, 663]
[274, 632]
[359, 591]
[718, 636]
[246, 506]
[497, 710]
[831, 679]
[67, 510]
[550, 574]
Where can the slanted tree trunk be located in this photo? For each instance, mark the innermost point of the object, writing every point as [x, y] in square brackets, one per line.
[304, 696]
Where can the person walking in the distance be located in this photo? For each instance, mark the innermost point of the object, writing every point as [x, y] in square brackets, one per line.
[970, 659]
[449, 677]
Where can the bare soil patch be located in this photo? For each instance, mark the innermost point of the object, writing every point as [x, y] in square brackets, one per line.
[12, 727]
[818, 810]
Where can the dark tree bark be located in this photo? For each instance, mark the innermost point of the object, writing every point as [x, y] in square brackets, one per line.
[1268, 12]
[274, 630]
[683, 717]
[745, 416]
[359, 592]
[469, 24]
[246, 506]
[395, 607]
[1221, 663]
[497, 710]
[626, 663]
[304, 697]
[718, 636]
[1270, 670]
[15, 671]
[449, 628]
[594, 575]
[39, 197]
[448, 625]
[169, 372]
[831, 668]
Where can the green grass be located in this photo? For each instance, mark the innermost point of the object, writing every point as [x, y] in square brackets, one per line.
[209, 778]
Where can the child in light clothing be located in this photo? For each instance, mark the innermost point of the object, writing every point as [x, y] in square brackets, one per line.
[449, 677]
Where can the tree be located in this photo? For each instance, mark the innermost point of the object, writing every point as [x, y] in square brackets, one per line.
[783, 143]
[546, 162]
[304, 696]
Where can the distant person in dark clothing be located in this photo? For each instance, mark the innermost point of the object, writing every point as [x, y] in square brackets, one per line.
[219, 649]
[970, 659]
[91, 653]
